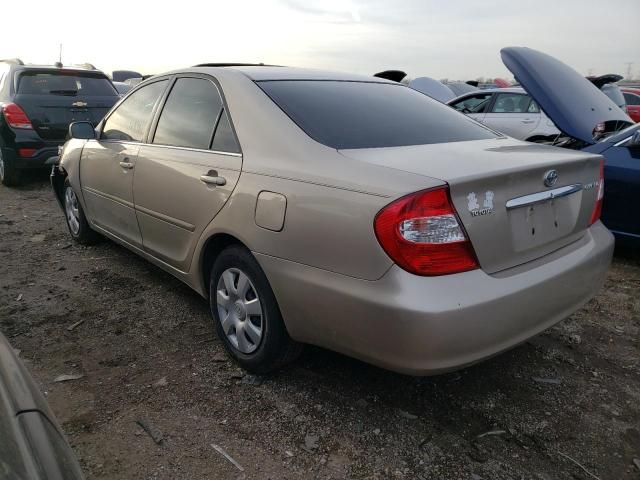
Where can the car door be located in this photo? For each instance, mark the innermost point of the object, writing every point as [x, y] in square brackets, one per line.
[107, 166]
[622, 189]
[474, 105]
[513, 114]
[187, 170]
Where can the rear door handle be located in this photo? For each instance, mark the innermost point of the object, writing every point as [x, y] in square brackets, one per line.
[212, 178]
[527, 121]
[126, 164]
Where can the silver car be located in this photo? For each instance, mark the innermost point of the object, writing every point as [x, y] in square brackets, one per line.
[344, 211]
[510, 111]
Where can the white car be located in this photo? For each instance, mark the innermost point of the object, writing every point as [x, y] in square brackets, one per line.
[508, 110]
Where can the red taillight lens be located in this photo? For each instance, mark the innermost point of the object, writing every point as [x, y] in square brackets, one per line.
[26, 152]
[422, 234]
[15, 116]
[597, 208]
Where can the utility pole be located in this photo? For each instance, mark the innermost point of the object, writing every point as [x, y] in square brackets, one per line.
[629, 70]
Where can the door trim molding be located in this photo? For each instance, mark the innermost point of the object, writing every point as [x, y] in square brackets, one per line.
[166, 218]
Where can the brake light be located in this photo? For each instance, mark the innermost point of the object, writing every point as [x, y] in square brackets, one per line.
[597, 208]
[423, 234]
[15, 116]
[26, 152]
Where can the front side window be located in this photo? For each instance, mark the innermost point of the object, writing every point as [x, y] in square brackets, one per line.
[130, 120]
[511, 103]
[345, 115]
[473, 104]
[189, 116]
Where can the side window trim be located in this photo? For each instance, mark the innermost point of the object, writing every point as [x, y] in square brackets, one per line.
[215, 127]
[162, 97]
[225, 108]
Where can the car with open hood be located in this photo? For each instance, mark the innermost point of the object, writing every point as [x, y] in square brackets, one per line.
[345, 211]
[592, 123]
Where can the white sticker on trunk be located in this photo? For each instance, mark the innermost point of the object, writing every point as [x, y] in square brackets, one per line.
[474, 205]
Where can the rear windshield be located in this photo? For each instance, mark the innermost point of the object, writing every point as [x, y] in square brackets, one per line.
[65, 83]
[345, 115]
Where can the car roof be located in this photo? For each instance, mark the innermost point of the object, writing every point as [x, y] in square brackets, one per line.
[501, 90]
[268, 72]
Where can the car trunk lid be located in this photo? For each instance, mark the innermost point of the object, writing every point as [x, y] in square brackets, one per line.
[498, 190]
[52, 99]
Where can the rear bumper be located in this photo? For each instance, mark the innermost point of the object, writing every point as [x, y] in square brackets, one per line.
[427, 325]
[38, 160]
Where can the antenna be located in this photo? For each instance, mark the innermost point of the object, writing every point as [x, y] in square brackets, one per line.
[60, 56]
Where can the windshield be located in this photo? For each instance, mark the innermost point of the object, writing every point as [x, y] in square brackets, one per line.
[65, 83]
[345, 115]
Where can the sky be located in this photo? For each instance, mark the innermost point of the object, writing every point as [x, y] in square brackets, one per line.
[454, 39]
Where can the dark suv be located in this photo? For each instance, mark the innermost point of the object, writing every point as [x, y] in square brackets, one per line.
[37, 104]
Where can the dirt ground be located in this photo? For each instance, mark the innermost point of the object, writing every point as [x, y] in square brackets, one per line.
[565, 405]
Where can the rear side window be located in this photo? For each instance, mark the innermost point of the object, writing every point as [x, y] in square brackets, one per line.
[65, 83]
[130, 120]
[189, 115]
[345, 115]
[224, 140]
[631, 99]
[511, 103]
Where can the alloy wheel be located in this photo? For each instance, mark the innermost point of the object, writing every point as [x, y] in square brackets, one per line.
[1, 167]
[239, 310]
[72, 210]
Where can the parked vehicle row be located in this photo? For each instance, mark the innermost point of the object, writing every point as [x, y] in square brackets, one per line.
[326, 208]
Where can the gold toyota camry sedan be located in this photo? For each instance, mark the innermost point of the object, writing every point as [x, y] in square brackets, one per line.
[339, 210]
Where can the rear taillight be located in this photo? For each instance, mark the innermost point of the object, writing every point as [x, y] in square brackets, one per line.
[27, 152]
[597, 208]
[423, 234]
[15, 116]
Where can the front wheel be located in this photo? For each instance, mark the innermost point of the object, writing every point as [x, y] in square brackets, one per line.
[246, 314]
[76, 221]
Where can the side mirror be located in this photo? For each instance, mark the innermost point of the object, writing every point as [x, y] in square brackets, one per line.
[82, 131]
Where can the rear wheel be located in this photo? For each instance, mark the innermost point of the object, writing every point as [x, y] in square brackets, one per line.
[76, 221]
[246, 314]
[9, 174]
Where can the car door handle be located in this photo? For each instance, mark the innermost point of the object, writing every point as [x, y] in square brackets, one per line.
[212, 178]
[126, 164]
[527, 121]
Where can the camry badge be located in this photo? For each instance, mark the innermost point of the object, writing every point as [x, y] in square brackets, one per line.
[79, 104]
[550, 178]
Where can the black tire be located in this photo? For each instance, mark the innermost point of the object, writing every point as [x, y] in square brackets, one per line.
[82, 233]
[275, 348]
[10, 176]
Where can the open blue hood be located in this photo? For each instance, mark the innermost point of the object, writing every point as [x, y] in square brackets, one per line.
[574, 104]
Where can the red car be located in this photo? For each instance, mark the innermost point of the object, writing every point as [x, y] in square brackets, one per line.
[632, 97]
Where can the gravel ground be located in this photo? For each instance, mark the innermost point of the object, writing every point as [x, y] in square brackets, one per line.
[564, 405]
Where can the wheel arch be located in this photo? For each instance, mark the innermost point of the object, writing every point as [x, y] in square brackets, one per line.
[215, 244]
[58, 176]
